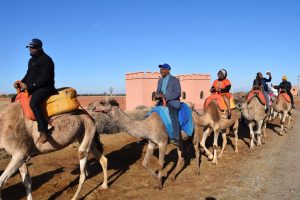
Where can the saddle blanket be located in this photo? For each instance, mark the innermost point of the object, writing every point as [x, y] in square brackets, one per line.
[184, 118]
[257, 93]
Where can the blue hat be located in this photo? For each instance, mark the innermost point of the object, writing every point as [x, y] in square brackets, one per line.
[35, 43]
[165, 66]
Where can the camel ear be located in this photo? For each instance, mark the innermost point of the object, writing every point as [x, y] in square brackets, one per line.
[113, 102]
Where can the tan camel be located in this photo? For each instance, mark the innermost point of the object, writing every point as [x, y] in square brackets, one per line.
[214, 120]
[18, 136]
[284, 109]
[254, 113]
[152, 129]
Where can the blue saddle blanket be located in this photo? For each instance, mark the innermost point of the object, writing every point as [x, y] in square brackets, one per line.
[184, 118]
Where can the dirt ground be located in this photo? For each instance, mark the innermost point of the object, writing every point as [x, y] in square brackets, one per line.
[268, 172]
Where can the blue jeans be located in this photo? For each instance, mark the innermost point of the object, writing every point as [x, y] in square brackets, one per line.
[174, 119]
[267, 99]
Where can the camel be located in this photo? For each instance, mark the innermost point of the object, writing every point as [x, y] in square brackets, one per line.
[18, 136]
[284, 109]
[254, 113]
[213, 120]
[152, 129]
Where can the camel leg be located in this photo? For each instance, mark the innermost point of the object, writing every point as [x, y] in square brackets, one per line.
[26, 180]
[282, 123]
[12, 167]
[224, 136]
[215, 146]
[179, 161]
[149, 153]
[197, 152]
[251, 135]
[264, 132]
[103, 162]
[236, 137]
[258, 132]
[202, 143]
[82, 154]
[162, 151]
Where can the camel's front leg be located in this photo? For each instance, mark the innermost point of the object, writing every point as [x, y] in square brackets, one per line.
[162, 151]
[215, 146]
[16, 161]
[264, 132]
[236, 137]
[282, 122]
[251, 135]
[224, 136]
[202, 143]
[258, 132]
[26, 180]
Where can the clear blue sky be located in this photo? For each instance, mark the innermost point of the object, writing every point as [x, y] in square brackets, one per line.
[94, 43]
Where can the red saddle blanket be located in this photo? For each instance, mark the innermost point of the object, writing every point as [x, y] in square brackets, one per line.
[24, 100]
[218, 99]
[286, 96]
[259, 94]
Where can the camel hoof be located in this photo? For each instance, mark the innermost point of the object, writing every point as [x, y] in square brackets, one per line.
[158, 187]
[173, 178]
[220, 156]
[103, 186]
[280, 133]
[197, 172]
[236, 151]
[214, 162]
[210, 158]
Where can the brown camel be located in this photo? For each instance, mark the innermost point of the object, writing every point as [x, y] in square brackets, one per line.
[152, 129]
[18, 136]
[254, 113]
[284, 109]
[214, 120]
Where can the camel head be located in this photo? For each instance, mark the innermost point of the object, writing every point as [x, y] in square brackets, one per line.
[106, 106]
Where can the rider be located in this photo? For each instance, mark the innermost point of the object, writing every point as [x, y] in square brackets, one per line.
[169, 88]
[222, 86]
[262, 82]
[286, 85]
[39, 81]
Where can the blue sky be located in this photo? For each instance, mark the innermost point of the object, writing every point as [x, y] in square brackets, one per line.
[94, 43]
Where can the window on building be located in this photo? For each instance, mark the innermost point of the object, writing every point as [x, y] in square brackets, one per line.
[183, 95]
[201, 95]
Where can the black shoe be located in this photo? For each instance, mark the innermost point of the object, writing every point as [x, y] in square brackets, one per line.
[267, 110]
[293, 107]
[175, 142]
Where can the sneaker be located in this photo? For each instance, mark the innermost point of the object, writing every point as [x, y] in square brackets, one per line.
[43, 138]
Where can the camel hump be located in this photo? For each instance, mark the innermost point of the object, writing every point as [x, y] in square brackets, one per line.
[285, 96]
[63, 102]
[258, 94]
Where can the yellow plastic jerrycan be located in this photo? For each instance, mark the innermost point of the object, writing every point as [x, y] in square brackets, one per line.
[65, 101]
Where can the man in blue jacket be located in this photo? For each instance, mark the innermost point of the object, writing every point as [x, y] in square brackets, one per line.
[262, 82]
[169, 88]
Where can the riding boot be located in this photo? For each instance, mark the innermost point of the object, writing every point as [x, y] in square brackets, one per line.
[43, 138]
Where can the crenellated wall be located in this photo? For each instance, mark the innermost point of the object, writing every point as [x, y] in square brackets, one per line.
[141, 85]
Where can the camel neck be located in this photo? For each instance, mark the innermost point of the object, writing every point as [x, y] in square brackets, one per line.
[133, 128]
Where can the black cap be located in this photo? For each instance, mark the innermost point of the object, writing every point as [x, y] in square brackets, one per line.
[35, 43]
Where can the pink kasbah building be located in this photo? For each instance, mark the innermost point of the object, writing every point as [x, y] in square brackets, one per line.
[141, 85]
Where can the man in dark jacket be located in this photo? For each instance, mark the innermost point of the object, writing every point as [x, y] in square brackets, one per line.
[39, 81]
[169, 88]
[287, 86]
[262, 82]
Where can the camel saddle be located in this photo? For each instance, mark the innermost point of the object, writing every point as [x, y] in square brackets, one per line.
[63, 102]
[258, 94]
[219, 100]
[286, 96]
